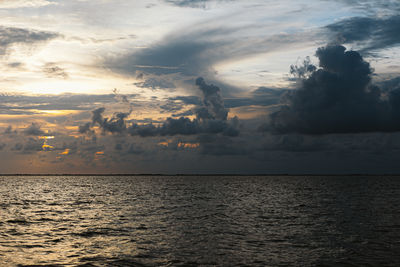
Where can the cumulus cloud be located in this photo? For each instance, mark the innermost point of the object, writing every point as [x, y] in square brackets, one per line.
[211, 117]
[33, 129]
[337, 97]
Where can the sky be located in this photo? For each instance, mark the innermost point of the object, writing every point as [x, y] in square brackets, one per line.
[200, 86]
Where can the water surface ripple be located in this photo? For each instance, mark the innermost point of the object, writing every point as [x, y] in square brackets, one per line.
[199, 221]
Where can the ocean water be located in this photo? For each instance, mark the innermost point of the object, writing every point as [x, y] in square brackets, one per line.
[199, 221]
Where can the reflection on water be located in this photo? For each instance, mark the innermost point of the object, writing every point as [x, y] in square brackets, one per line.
[207, 221]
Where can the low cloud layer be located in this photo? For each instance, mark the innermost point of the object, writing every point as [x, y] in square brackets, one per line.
[338, 97]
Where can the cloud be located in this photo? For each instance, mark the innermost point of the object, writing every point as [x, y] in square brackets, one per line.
[155, 82]
[211, 117]
[262, 96]
[9, 130]
[11, 36]
[53, 71]
[194, 52]
[33, 129]
[221, 146]
[28, 104]
[338, 97]
[85, 129]
[24, 3]
[115, 124]
[193, 3]
[373, 6]
[368, 33]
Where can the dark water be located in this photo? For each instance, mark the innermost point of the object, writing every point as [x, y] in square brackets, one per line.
[200, 221]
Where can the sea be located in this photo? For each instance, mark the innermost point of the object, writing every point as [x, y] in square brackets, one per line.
[199, 221]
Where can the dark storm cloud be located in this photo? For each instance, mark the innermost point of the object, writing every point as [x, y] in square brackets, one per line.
[368, 32]
[10, 36]
[338, 97]
[211, 117]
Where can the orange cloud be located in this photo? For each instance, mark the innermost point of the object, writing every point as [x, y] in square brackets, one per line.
[65, 152]
[47, 147]
[46, 137]
[188, 145]
[163, 144]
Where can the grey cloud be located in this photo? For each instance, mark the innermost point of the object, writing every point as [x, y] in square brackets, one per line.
[211, 118]
[221, 146]
[188, 100]
[115, 124]
[372, 6]
[262, 96]
[23, 3]
[183, 114]
[54, 71]
[33, 145]
[368, 33]
[9, 130]
[338, 97]
[10, 36]
[85, 129]
[155, 83]
[195, 52]
[135, 149]
[213, 105]
[193, 3]
[18, 147]
[34, 129]
[24, 104]
[297, 143]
